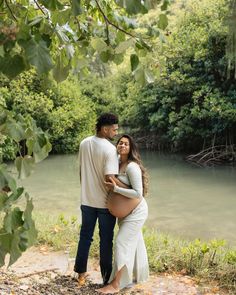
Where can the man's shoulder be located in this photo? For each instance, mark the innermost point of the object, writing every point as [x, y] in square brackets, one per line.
[86, 139]
[110, 149]
[100, 144]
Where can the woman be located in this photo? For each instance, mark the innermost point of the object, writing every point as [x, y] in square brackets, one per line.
[130, 251]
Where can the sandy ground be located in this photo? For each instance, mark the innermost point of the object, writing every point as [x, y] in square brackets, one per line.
[41, 271]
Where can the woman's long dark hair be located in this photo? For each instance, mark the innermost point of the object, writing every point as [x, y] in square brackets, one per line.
[134, 156]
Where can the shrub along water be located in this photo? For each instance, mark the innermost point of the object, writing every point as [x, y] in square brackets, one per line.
[61, 110]
[191, 105]
[212, 260]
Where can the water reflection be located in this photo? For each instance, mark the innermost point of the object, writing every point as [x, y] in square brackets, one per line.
[184, 199]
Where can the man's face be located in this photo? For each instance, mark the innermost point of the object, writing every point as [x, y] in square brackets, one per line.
[111, 131]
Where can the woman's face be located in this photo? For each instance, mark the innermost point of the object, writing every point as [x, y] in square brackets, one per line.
[123, 147]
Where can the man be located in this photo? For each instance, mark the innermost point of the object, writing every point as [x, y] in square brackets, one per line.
[98, 161]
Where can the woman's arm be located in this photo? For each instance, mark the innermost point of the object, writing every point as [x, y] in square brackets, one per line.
[120, 183]
[135, 176]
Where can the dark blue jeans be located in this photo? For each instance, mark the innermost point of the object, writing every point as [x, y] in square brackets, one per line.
[106, 224]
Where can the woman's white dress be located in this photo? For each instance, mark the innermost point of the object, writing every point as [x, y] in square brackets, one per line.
[130, 250]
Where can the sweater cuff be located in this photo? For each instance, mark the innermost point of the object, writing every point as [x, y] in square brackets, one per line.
[116, 189]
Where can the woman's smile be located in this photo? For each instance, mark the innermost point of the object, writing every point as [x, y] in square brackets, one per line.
[123, 146]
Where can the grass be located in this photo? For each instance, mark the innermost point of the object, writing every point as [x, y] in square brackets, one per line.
[208, 261]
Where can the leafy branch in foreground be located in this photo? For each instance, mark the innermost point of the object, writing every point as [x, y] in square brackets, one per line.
[68, 35]
[17, 231]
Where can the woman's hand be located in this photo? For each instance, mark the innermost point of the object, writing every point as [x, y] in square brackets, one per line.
[111, 184]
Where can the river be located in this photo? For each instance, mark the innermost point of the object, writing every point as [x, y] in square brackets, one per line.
[184, 200]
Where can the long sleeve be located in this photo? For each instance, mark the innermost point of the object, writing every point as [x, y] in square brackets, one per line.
[135, 177]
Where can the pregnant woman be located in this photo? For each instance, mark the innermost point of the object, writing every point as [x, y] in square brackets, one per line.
[127, 203]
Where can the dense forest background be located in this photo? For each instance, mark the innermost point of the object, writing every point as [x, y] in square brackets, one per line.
[189, 104]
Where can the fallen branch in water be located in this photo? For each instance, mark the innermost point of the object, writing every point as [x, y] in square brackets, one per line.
[215, 155]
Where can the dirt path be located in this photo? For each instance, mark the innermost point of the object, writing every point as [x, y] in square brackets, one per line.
[42, 272]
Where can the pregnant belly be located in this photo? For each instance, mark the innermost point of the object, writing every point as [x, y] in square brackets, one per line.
[120, 206]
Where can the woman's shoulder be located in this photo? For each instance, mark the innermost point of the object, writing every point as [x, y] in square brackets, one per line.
[132, 166]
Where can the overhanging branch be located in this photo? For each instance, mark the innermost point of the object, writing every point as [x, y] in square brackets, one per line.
[11, 12]
[107, 21]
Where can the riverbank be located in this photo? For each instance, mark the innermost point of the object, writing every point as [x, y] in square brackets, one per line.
[212, 261]
[41, 271]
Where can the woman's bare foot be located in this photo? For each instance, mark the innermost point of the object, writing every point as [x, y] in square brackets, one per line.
[108, 289]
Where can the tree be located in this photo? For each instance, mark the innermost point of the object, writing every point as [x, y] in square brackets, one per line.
[60, 35]
[18, 231]
[231, 40]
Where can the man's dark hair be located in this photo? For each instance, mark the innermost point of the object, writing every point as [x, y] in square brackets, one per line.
[106, 119]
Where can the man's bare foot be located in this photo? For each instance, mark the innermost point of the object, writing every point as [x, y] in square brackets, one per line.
[109, 289]
[81, 279]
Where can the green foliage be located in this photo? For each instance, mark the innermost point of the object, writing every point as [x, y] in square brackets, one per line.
[56, 35]
[62, 110]
[102, 93]
[58, 232]
[72, 119]
[211, 260]
[17, 231]
[26, 95]
[193, 102]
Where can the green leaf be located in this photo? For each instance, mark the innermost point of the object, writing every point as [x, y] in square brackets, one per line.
[14, 196]
[43, 153]
[41, 148]
[13, 220]
[165, 5]
[3, 254]
[149, 77]
[52, 4]
[21, 233]
[120, 36]
[118, 59]
[61, 17]
[15, 251]
[60, 72]
[139, 76]
[76, 7]
[3, 199]
[25, 166]
[12, 66]
[36, 20]
[140, 44]
[150, 4]
[1, 51]
[132, 6]
[6, 179]
[60, 30]
[123, 46]
[70, 50]
[134, 61]
[38, 55]
[105, 56]
[15, 130]
[29, 225]
[99, 45]
[3, 117]
[5, 245]
[163, 21]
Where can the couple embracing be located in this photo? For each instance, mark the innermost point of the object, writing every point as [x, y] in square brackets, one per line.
[112, 186]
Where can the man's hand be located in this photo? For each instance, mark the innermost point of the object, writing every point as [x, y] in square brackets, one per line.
[110, 184]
